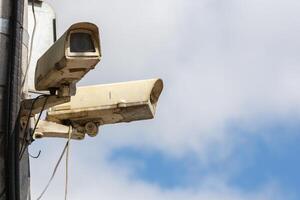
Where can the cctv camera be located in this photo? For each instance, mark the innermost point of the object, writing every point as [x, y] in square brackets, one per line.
[108, 104]
[75, 53]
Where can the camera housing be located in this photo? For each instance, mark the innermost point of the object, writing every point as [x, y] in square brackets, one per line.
[108, 104]
[74, 54]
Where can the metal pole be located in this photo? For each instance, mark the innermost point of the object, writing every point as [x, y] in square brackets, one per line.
[5, 7]
[24, 162]
[11, 36]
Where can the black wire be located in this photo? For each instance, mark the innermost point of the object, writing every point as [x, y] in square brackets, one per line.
[16, 122]
[35, 157]
[39, 117]
[13, 132]
[45, 102]
[27, 122]
[25, 133]
[15, 127]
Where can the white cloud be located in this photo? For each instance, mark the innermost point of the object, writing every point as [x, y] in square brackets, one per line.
[92, 176]
[233, 61]
[222, 62]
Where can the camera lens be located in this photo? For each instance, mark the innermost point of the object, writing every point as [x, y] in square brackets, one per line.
[81, 42]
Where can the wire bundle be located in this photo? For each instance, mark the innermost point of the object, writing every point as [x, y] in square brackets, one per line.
[65, 150]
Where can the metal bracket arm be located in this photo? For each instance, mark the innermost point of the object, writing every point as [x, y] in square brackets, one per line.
[51, 129]
[35, 106]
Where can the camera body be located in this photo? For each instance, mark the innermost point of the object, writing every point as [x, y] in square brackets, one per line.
[109, 104]
[74, 54]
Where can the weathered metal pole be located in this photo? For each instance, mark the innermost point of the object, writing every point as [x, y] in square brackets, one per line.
[5, 7]
[11, 47]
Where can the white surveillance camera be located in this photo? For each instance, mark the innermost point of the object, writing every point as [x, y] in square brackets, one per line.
[75, 53]
[97, 105]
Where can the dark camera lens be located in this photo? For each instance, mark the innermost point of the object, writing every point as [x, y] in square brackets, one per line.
[81, 42]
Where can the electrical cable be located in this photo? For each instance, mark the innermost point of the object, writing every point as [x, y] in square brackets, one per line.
[28, 119]
[56, 166]
[27, 122]
[13, 132]
[12, 99]
[67, 162]
[31, 43]
[38, 119]
[37, 156]
[15, 128]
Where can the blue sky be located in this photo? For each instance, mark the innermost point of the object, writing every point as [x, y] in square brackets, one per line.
[227, 122]
[277, 161]
[257, 162]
